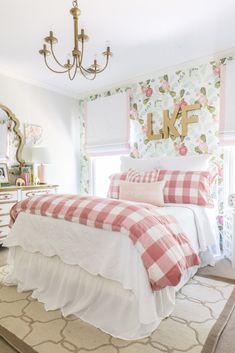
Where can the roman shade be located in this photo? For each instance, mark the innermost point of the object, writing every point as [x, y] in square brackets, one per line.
[227, 112]
[107, 125]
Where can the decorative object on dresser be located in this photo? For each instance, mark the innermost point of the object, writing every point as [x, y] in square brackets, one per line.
[40, 154]
[11, 194]
[20, 182]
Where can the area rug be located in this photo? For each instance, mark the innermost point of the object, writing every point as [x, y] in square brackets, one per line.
[199, 307]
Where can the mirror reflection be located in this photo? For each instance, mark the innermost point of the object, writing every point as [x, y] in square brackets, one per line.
[4, 135]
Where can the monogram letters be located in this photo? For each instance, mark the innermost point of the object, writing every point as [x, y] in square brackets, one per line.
[169, 123]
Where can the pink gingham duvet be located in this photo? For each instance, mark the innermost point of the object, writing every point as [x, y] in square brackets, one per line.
[164, 249]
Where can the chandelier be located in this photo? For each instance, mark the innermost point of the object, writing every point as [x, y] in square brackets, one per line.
[76, 64]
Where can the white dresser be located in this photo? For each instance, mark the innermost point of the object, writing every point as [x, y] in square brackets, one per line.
[11, 194]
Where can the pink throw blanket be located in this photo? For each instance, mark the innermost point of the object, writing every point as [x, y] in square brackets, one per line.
[165, 250]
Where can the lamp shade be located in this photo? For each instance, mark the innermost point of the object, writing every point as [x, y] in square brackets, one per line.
[40, 154]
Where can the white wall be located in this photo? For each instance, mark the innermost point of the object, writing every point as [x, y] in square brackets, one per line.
[58, 115]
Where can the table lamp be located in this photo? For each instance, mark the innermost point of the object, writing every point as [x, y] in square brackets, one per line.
[40, 155]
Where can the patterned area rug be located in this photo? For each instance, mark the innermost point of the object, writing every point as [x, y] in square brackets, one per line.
[198, 307]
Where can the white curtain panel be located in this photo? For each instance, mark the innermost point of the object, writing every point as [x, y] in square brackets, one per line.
[227, 112]
[229, 172]
[107, 125]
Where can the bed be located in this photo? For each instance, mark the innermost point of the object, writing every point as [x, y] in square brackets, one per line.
[97, 274]
[100, 275]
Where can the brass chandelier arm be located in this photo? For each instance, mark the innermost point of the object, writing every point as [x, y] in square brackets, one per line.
[55, 71]
[75, 71]
[86, 76]
[107, 62]
[54, 56]
[84, 69]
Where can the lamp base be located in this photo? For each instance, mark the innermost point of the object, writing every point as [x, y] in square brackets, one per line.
[41, 173]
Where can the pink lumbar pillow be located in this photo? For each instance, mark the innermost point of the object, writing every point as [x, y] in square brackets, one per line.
[143, 192]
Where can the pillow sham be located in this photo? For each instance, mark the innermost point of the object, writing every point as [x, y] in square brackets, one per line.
[145, 177]
[191, 187]
[113, 191]
[139, 164]
[185, 163]
[143, 192]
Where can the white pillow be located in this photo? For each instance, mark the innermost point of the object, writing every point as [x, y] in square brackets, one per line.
[140, 164]
[185, 163]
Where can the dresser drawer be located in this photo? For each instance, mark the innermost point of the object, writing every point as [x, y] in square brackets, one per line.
[37, 192]
[5, 208]
[4, 220]
[4, 232]
[10, 196]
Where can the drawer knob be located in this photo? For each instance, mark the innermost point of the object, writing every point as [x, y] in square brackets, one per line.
[6, 196]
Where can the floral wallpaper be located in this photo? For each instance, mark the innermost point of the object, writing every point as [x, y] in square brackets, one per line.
[197, 84]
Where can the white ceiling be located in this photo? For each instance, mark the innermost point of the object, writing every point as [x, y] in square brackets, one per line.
[145, 36]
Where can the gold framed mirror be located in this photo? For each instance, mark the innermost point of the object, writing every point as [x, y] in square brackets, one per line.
[11, 138]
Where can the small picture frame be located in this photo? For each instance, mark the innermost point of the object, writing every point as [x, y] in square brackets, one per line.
[4, 176]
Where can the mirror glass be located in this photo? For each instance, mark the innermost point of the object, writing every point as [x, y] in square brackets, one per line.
[9, 140]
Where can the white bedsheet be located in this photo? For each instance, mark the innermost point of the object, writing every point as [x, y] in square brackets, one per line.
[110, 257]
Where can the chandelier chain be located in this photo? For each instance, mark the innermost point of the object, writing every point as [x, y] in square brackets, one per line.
[75, 3]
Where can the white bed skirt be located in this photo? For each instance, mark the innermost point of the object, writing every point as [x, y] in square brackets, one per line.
[104, 303]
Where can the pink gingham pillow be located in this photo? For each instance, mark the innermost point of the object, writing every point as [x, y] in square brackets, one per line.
[114, 186]
[187, 187]
[144, 177]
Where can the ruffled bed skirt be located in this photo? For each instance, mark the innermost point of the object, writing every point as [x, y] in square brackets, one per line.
[104, 303]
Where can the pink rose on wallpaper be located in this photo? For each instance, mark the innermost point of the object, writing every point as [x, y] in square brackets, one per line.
[202, 99]
[181, 104]
[133, 114]
[148, 91]
[135, 153]
[217, 70]
[144, 129]
[216, 118]
[183, 150]
[165, 85]
[177, 146]
[203, 147]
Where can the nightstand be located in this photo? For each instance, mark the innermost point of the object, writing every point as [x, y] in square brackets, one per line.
[229, 235]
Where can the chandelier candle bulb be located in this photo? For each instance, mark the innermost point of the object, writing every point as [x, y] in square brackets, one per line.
[72, 67]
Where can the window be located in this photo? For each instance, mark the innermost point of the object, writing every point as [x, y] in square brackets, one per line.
[102, 168]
